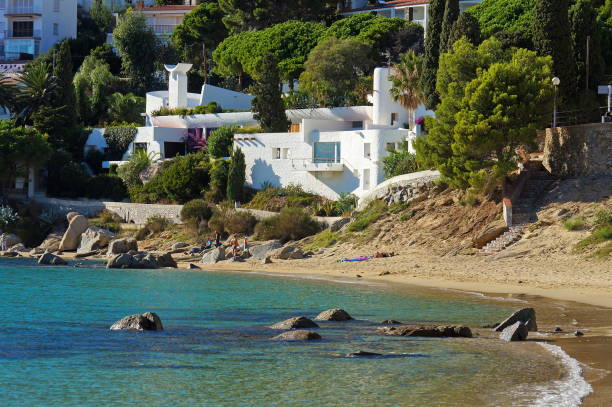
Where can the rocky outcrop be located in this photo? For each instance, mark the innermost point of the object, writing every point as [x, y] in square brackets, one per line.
[19, 248]
[515, 332]
[51, 243]
[120, 261]
[149, 321]
[526, 315]
[288, 252]
[51, 259]
[295, 323]
[122, 245]
[8, 240]
[427, 331]
[214, 256]
[141, 261]
[94, 238]
[263, 250]
[299, 335]
[334, 314]
[36, 251]
[72, 237]
[166, 260]
[491, 232]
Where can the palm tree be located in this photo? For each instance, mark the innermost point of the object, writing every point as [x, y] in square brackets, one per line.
[36, 87]
[405, 81]
[7, 92]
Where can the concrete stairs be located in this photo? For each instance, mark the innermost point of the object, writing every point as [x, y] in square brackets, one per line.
[525, 208]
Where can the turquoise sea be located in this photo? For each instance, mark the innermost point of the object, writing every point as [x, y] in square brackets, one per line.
[56, 349]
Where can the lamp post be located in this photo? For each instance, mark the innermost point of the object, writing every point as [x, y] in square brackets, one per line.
[555, 81]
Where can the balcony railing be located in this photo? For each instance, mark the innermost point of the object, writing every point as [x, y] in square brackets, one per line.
[163, 29]
[16, 9]
[22, 34]
[317, 165]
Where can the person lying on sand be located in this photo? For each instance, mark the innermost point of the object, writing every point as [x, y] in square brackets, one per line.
[379, 255]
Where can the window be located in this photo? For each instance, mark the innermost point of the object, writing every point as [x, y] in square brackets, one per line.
[2, 4]
[357, 125]
[276, 153]
[285, 153]
[366, 150]
[56, 6]
[366, 179]
[55, 29]
[393, 117]
[294, 128]
[326, 152]
[23, 28]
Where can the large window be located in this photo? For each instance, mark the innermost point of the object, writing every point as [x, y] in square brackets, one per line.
[23, 28]
[326, 152]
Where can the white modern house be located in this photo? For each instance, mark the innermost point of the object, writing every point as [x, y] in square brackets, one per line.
[30, 27]
[416, 11]
[326, 150]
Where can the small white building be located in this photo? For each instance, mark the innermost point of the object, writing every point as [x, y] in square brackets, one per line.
[29, 28]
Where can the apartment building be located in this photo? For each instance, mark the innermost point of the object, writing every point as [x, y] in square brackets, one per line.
[30, 27]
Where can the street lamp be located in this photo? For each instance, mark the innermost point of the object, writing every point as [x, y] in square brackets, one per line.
[555, 81]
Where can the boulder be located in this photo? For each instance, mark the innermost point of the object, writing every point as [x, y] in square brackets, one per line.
[295, 323]
[148, 261]
[94, 238]
[72, 236]
[526, 315]
[9, 254]
[122, 245]
[339, 224]
[267, 260]
[299, 335]
[86, 254]
[490, 232]
[120, 261]
[71, 215]
[149, 321]
[8, 240]
[179, 245]
[334, 314]
[214, 256]
[166, 260]
[361, 354]
[51, 243]
[51, 259]
[427, 331]
[288, 252]
[19, 248]
[515, 332]
[36, 251]
[260, 252]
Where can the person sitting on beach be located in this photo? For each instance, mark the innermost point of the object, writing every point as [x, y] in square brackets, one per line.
[234, 245]
[245, 247]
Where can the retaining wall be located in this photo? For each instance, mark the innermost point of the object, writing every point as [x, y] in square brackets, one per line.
[416, 180]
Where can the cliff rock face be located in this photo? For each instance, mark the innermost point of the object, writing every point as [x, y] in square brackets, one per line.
[579, 151]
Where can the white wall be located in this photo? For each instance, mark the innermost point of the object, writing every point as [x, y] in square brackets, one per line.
[65, 18]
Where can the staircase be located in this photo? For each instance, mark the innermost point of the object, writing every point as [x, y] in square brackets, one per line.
[525, 207]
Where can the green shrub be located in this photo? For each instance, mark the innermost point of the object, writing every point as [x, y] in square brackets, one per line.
[137, 163]
[270, 198]
[218, 181]
[107, 187]
[289, 224]
[157, 224]
[400, 162]
[300, 201]
[118, 139]
[240, 223]
[108, 220]
[325, 238]
[212, 107]
[573, 223]
[603, 218]
[220, 141]
[346, 203]
[217, 224]
[374, 211]
[196, 211]
[236, 177]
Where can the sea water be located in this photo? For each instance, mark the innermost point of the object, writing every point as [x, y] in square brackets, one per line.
[215, 349]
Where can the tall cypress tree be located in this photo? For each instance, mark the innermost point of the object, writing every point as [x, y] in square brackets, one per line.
[62, 73]
[236, 176]
[451, 14]
[583, 21]
[551, 36]
[432, 53]
[466, 26]
[268, 104]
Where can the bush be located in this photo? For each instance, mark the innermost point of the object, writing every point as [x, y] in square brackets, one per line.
[399, 163]
[270, 198]
[157, 224]
[374, 211]
[137, 163]
[289, 224]
[196, 211]
[218, 181]
[216, 224]
[212, 107]
[185, 178]
[574, 223]
[603, 218]
[325, 238]
[118, 139]
[108, 220]
[8, 216]
[346, 203]
[220, 141]
[240, 223]
[106, 186]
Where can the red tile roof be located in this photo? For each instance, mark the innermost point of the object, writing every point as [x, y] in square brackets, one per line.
[167, 8]
[390, 4]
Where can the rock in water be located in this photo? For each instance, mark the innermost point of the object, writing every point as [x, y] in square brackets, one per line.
[72, 236]
[214, 256]
[8, 240]
[149, 321]
[299, 335]
[19, 248]
[123, 245]
[261, 252]
[166, 260]
[94, 238]
[51, 259]
[526, 315]
[515, 332]
[335, 314]
[120, 261]
[294, 323]
[361, 353]
[427, 331]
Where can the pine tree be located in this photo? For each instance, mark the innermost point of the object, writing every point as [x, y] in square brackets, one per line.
[451, 14]
[551, 36]
[432, 53]
[268, 104]
[64, 92]
[583, 21]
[236, 176]
[465, 26]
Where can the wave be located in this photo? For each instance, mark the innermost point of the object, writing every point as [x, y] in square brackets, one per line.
[566, 392]
[489, 297]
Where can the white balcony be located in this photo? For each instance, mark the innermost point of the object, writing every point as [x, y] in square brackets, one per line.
[317, 165]
[163, 29]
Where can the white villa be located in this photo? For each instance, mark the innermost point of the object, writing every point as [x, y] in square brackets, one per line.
[416, 11]
[326, 150]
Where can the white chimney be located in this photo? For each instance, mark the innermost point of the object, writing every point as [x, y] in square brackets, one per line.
[177, 85]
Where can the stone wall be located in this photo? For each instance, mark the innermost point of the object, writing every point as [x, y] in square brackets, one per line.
[578, 151]
[400, 188]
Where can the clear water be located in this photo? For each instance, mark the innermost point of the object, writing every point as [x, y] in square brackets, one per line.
[56, 349]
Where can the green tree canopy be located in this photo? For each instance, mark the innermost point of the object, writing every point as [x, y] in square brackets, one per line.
[268, 104]
[504, 15]
[236, 177]
[94, 84]
[492, 100]
[138, 47]
[37, 89]
[220, 141]
[125, 108]
[432, 53]
[584, 28]
[21, 147]
[451, 14]
[333, 69]
[465, 26]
